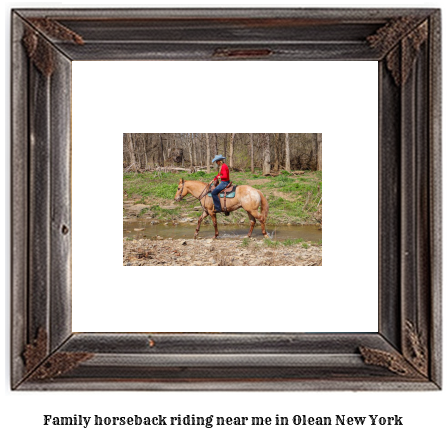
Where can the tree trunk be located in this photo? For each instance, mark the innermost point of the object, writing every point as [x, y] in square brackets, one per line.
[215, 147]
[252, 163]
[287, 153]
[168, 147]
[194, 155]
[231, 149]
[225, 144]
[149, 140]
[259, 150]
[136, 143]
[161, 161]
[189, 148]
[277, 148]
[266, 164]
[135, 149]
[200, 149]
[319, 152]
[207, 153]
[129, 144]
[310, 164]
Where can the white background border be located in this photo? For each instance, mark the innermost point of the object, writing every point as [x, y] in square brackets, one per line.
[338, 99]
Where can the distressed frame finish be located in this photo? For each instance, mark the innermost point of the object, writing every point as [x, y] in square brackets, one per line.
[405, 354]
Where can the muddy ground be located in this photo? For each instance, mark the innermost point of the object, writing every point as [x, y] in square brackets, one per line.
[211, 252]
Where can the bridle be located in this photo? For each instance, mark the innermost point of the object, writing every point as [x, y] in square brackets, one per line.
[181, 193]
[205, 191]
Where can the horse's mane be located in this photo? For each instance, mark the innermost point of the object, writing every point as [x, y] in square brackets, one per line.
[195, 181]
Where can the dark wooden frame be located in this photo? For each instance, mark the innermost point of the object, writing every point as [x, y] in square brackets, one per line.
[405, 354]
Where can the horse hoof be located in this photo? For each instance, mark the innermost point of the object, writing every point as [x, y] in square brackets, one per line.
[266, 236]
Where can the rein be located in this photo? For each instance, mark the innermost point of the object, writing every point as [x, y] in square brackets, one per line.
[205, 191]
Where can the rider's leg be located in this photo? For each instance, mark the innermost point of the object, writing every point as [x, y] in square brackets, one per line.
[215, 195]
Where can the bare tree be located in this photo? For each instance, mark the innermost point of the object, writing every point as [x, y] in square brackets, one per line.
[287, 153]
[252, 163]
[149, 148]
[207, 153]
[319, 154]
[161, 160]
[138, 144]
[225, 144]
[232, 150]
[193, 149]
[129, 144]
[266, 154]
[277, 149]
[200, 148]
[164, 149]
[169, 143]
[184, 140]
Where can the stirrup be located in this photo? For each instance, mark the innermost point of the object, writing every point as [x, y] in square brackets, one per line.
[227, 213]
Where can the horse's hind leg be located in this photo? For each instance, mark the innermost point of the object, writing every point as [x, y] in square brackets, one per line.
[204, 215]
[260, 218]
[252, 223]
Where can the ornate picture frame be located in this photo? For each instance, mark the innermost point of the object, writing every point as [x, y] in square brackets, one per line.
[405, 353]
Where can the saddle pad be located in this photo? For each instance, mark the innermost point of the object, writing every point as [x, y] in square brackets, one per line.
[232, 194]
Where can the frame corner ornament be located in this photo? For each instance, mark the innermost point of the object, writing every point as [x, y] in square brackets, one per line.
[39, 49]
[41, 366]
[400, 56]
[36, 351]
[394, 362]
[416, 348]
[58, 364]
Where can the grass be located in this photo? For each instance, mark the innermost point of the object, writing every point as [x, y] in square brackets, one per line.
[277, 243]
[163, 214]
[272, 243]
[287, 242]
[143, 212]
[290, 242]
[292, 198]
[245, 242]
[150, 185]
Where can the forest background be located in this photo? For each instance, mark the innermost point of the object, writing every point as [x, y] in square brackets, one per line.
[287, 168]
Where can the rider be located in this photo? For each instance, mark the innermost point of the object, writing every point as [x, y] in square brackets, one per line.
[224, 175]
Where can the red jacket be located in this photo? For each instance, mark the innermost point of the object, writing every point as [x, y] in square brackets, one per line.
[224, 173]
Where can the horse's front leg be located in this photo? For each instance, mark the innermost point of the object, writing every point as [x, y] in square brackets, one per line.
[214, 219]
[203, 216]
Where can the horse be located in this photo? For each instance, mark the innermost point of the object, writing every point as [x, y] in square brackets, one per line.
[249, 198]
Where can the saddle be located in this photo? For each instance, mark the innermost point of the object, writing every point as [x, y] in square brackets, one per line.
[228, 192]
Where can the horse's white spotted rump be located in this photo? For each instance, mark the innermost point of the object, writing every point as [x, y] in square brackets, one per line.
[251, 196]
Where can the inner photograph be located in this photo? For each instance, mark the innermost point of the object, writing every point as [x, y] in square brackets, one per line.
[222, 199]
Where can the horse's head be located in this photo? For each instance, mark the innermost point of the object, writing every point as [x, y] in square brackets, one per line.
[181, 191]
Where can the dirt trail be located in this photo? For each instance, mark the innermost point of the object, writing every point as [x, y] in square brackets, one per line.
[210, 252]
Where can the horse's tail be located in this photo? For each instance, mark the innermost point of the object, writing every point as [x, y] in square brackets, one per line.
[264, 206]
